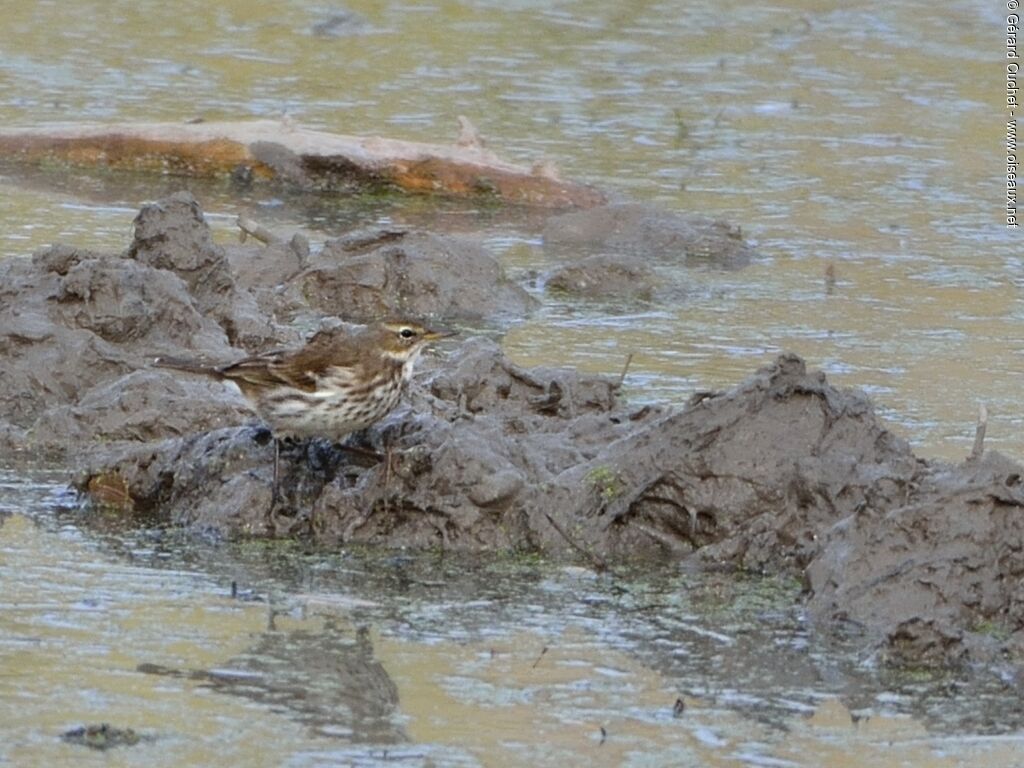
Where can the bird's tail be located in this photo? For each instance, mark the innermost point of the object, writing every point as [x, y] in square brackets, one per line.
[191, 366]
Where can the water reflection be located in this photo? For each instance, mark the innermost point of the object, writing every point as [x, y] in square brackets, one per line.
[324, 677]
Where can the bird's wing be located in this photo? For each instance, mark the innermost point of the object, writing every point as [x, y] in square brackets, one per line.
[270, 369]
[300, 369]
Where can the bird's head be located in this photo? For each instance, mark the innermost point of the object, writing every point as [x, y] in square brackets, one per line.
[404, 340]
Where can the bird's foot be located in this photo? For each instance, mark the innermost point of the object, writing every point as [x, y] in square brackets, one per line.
[357, 450]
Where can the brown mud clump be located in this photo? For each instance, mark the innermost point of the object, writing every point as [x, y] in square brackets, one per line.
[782, 473]
[937, 574]
[633, 251]
[398, 273]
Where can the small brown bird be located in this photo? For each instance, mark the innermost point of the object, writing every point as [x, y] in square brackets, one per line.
[338, 383]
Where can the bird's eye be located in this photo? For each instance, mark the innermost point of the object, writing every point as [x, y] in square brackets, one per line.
[407, 333]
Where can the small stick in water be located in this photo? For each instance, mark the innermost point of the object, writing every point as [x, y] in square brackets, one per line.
[979, 434]
[541, 656]
[625, 369]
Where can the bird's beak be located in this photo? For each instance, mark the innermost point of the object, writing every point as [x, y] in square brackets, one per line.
[439, 333]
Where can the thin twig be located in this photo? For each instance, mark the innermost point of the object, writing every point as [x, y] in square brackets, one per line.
[979, 434]
[597, 561]
[625, 368]
[469, 136]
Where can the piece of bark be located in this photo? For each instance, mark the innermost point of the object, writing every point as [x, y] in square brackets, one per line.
[313, 160]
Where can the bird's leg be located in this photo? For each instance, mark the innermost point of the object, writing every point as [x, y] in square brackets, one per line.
[277, 464]
[389, 458]
[387, 480]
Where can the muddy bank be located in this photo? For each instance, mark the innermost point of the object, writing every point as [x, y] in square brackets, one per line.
[489, 455]
[782, 473]
[79, 329]
[938, 572]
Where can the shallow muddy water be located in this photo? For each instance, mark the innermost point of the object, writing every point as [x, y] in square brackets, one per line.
[268, 654]
[867, 137]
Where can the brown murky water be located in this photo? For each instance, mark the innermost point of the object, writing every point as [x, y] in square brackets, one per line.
[866, 136]
[362, 658]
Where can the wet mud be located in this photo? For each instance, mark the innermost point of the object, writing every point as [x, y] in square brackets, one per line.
[629, 251]
[783, 473]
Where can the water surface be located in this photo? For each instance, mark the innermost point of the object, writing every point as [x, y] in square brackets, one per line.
[272, 654]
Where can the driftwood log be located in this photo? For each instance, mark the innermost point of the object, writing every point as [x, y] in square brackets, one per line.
[306, 159]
